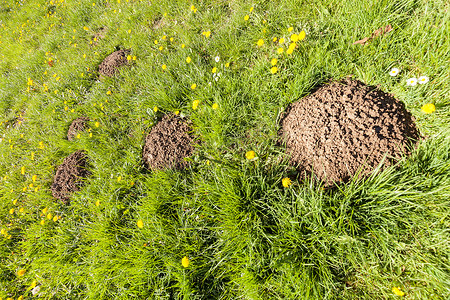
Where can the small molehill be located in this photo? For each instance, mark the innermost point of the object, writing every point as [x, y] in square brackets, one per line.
[110, 65]
[77, 125]
[69, 176]
[345, 127]
[168, 143]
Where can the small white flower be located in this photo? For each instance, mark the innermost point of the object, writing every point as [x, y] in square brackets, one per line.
[423, 79]
[411, 81]
[394, 72]
[36, 290]
[217, 58]
[209, 83]
[218, 74]
[216, 78]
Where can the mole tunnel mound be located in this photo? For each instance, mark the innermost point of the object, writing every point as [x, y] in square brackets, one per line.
[111, 64]
[69, 176]
[78, 125]
[344, 128]
[168, 143]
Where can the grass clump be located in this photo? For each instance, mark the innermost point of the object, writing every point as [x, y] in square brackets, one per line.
[246, 234]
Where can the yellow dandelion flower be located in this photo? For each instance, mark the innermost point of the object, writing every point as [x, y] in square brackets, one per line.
[294, 37]
[156, 42]
[273, 62]
[108, 93]
[301, 35]
[97, 203]
[227, 64]
[193, 9]
[286, 182]
[119, 178]
[398, 291]
[11, 211]
[260, 42]
[21, 210]
[49, 216]
[21, 272]
[273, 70]
[188, 59]
[45, 210]
[280, 50]
[85, 28]
[290, 29]
[214, 70]
[206, 33]
[281, 41]
[193, 86]
[20, 298]
[195, 104]
[428, 108]
[22, 170]
[185, 262]
[134, 57]
[129, 57]
[55, 218]
[33, 284]
[250, 155]
[97, 124]
[215, 106]
[177, 112]
[171, 39]
[164, 67]
[182, 46]
[42, 222]
[155, 109]
[140, 224]
[246, 17]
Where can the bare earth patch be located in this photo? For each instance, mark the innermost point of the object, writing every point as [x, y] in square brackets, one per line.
[69, 176]
[78, 125]
[168, 143]
[345, 127]
[111, 64]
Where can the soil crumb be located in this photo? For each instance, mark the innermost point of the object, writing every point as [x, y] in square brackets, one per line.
[168, 143]
[110, 65]
[69, 176]
[346, 127]
[78, 125]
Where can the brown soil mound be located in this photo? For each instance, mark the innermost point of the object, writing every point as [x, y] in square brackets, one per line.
[69, 175]
[76, 126]
[345, 127]
[168, 143]
[110, 65]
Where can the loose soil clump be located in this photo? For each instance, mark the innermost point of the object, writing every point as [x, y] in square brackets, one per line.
[77, 125]
[69, 176]
[110, 65]
[346, 127]
[168, 143]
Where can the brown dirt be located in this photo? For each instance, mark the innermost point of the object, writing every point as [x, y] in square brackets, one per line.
[69, 176]
[168, 143]
[110, 65]
[77, 125]
[345, 127]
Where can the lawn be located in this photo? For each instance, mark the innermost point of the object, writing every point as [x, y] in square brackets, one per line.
[229, 226]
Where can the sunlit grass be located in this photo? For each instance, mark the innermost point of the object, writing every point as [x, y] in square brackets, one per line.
[237, 223]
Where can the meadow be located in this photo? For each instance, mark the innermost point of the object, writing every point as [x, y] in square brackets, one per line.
[226, 227]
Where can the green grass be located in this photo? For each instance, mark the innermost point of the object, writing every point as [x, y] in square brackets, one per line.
[246, 236]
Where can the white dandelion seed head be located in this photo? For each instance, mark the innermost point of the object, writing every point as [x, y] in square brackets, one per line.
[217, 58]
[411, 81]
[394, 72]
[423, 79]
